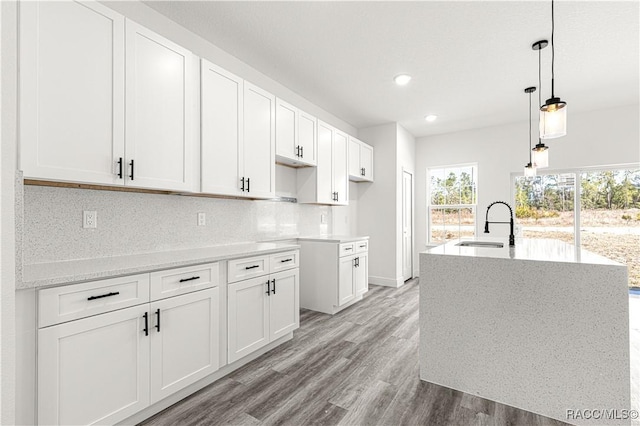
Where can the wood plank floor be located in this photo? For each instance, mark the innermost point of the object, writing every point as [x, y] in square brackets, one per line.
[359, 367]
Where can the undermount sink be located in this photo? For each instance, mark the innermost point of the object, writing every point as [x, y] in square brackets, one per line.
[485, 244]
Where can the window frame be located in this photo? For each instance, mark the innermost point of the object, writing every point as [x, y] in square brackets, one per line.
[430, 206]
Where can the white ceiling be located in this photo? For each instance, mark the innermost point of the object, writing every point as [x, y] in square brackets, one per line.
[470, 60]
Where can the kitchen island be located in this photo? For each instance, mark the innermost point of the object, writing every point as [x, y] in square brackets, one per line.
[541, 326]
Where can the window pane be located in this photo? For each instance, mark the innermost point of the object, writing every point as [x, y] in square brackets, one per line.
[544, 206]
[467, 222]
[436, 226]
[452, 187]
[610, 217]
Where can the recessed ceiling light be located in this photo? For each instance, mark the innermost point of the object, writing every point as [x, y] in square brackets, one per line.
[402, 79]
[431, 118]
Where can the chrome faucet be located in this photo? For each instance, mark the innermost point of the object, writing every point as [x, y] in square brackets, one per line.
[512, 238]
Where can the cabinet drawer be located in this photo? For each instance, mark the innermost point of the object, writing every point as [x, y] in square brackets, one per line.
[183, 280]
[346, 249]
[241, 269]
[284, 261]
[362, 246]
[66, 303]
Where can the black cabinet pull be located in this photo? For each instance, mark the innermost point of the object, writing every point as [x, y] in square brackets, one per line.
[120, 168]
[302, 151]
[251, 267]
[298, 151]
[158, 321]
[146, 323]
[113, 293]
[242, 180]
[357, 262]
[362, 246]
[131, 164]
[248, 184]
[268, 289]
[273, 281]
[189, 279]
[337, 196]
[348, 248]
[286, 260]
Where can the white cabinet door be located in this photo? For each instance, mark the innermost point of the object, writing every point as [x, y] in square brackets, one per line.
[259, 150]
[286, 130]
[346, 285]
[307, 138]
[324, 175]
[159, 111]
[71, 91]
[221, 130]
[94, 370]
[340, 168]
[355, 169]
[184, 341]
[361, 274]
[248, 317]
[284, 303]
[366, 161]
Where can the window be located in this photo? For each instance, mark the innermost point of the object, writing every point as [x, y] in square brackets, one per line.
[596, 209]
[451, 200]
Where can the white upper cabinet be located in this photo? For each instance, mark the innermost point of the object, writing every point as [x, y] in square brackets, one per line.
[259, 170]
[71, 91]
[237, 135]
[327, 183]
[360, 161]
[221, 129]
[159, 111]
[295, 136]
[103, 101]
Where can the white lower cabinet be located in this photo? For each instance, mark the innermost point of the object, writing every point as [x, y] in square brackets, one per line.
[94, 370]
[261, 310]
[184, 341]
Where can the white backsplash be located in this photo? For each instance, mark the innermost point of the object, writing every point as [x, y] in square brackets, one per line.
[130, 223]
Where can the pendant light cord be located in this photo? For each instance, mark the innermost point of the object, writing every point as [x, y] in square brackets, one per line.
[553, 54]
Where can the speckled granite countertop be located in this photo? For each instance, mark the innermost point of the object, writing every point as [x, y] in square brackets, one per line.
[544, 250]
[75, 271]
[334, 238]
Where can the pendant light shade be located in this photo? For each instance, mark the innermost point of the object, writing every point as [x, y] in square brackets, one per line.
[541, 156]
[553, 114]
[530, 168]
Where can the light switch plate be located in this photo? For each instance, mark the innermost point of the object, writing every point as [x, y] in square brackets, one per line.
[323, 218]
[202, 219]
[89, 219]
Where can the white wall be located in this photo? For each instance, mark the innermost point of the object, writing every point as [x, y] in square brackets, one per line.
[593, 139]
[377, 204]
[8, 146]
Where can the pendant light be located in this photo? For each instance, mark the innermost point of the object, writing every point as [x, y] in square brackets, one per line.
[540, 151]
[530, 168]
[553, 114]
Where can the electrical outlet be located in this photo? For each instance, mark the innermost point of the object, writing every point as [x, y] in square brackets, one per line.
[89, 219]
[323, 219]
[202, 219]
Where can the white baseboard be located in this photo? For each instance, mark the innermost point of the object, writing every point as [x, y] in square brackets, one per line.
[387, 282]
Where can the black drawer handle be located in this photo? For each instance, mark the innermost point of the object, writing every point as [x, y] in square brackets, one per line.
[242, 180]
[189, 279]
[251, 267]
[348, 248]
[131, 175]
[158, 322]
[363, 246]
[268, 288]
[286, 260]
[120, 168]
[113, 293]
[248, 184]
[274, 285]
[146, 323]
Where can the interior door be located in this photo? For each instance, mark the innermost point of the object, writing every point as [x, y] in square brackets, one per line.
[71, 91]
[259, 150]
[221, 96]
[248, 316]
[184, 341]
[94, 370]
[284, 303]
[159, 135]
[407, 225]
